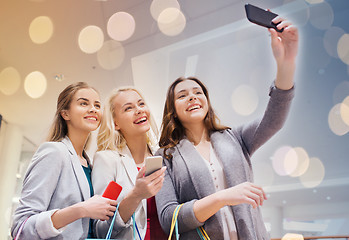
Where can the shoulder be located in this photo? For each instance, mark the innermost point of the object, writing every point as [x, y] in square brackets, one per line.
[106, 156]
[52, 150]
[49, 156]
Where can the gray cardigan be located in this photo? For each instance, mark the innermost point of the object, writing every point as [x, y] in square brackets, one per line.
[187, 178]
[54, 180]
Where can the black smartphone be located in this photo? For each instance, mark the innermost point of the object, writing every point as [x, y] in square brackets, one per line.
[261, 17]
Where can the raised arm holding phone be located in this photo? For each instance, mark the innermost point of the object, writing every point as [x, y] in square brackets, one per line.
[209, 165]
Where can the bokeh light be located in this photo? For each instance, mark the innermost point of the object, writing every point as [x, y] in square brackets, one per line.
[244, 100]
[35, 84]
[331, 38]
[335, 121]
[291, 161]
[340, 92]
[41, 29]
[10, 81]
[284, 160]
[171, 21]
[121, 26]
[343, 48]
[91, 39]
[302, 162]
[111, 55]
[344, 110]
[157, 6]
[314, 175]
[292, 236]
[321, 15]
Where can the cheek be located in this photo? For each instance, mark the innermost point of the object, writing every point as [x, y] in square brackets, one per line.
[178, 106]
[147, 112]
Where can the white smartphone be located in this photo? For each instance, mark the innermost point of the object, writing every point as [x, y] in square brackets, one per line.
[152, 164]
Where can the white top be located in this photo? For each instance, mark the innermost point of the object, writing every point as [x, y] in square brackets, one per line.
[217, 174]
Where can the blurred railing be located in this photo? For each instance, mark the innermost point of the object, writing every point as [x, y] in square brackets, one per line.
[346, 237]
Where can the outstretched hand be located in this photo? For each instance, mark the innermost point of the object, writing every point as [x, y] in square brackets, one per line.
[285, 44]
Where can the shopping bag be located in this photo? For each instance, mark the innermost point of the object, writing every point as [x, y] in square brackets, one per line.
[174, 225]
[135, 228]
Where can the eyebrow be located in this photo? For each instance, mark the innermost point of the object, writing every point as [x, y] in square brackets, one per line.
[185, 90]
[85, 99]
[139, 100]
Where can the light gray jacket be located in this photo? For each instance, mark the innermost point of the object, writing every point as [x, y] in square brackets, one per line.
[187, 178]
[54, 180]
[119, 167]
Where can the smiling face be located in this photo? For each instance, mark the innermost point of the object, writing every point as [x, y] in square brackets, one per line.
[190, 103]
[131, 114]
[84, 113]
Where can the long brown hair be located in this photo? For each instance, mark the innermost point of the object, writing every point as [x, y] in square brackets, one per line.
[172, 130]
[59, 128]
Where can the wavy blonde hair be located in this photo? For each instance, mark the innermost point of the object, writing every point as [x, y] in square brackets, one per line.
[111, 139]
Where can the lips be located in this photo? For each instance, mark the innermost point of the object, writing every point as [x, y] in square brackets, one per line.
[193, 107]
[140, 120]
[93, 118]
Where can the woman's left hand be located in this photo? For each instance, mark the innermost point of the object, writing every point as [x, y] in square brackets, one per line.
[285, 44]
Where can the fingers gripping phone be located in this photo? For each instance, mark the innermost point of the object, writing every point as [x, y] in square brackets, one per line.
[152, 164]
[261, 17]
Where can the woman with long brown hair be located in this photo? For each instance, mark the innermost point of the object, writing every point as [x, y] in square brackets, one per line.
[57, 199]
[208, 165]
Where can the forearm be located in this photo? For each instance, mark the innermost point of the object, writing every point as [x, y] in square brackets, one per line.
[129, 205]
[67, 215]
[285, 75]
[208, 206]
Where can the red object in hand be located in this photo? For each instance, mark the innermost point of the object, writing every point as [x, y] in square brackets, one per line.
[112, 191]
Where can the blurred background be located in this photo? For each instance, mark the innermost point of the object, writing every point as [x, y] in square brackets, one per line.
[47, 44]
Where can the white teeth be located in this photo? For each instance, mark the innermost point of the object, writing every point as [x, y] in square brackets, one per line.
[194, 107]
[141, 120]
[92, 118]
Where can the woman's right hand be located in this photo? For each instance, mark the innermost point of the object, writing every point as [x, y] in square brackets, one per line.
[98, 207]
[149, 186]
[246, 192]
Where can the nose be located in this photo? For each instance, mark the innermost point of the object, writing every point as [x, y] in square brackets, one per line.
[192, 97]
[93, 109]
[139, 110]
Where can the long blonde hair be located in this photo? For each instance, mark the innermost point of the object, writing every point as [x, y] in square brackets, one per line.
[59, 128]
[111, 139]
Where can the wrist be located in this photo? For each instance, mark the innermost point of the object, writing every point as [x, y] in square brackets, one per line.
[221, 199]
[285, 75]
[80, 210]
[286, 64]
[135, 196]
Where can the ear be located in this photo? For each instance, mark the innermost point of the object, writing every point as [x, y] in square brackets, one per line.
[117, 127]
[65, 115]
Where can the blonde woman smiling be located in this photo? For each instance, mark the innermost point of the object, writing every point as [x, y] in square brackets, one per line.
[126, 137]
